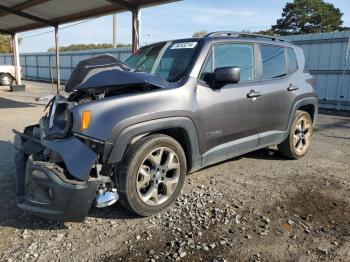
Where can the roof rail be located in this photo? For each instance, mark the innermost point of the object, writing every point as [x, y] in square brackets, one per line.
[243, 34]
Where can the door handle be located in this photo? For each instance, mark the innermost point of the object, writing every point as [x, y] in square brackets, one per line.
[292, 87]
[253, 94]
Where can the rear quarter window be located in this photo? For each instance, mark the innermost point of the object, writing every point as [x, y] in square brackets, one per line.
[274, 63]
[292, 60]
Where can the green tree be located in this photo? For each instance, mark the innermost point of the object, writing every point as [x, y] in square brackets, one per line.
[308, 16]
[78, 47]
[5, 44]
[199, 33]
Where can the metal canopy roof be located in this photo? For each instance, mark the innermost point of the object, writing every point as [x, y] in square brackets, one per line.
[22, 15]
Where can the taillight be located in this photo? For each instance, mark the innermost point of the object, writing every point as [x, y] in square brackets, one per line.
[312, 82]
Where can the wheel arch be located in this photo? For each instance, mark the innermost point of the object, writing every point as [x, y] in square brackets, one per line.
[310, 109]
[308, 104]
[182, 129]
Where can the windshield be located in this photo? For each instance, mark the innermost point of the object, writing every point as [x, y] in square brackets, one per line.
[167, 60]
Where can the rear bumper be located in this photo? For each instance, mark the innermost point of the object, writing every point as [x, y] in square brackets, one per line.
[44, 190]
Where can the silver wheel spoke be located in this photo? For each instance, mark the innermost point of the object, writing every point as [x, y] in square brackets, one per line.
[146, 178]
[151, 194]
[296, 139]
[157, 158]
[171, 162]
[170, 184]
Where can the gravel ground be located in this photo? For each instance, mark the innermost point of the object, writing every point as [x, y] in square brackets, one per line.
[258, 207]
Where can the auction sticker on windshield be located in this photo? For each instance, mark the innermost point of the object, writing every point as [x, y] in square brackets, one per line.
[184, 45]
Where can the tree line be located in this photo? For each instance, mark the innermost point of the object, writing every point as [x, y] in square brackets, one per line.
[77, 47]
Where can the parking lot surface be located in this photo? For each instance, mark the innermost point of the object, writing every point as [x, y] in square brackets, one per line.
[257, 207]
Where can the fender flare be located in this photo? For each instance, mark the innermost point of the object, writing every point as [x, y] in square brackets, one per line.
[303, 102]
[127, 134]
[299, 103]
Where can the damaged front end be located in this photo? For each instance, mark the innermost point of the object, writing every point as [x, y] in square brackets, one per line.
[58, 173]
[61, 165]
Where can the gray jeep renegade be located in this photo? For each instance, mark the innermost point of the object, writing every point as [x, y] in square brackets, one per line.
[131, 131]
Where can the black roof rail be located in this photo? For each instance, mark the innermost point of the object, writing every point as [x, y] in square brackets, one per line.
[243, 34]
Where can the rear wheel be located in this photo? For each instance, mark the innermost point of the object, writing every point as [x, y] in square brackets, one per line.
[153, 174]
[6, 80]
[299, 139]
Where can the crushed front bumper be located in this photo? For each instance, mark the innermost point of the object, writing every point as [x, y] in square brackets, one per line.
[47, 189]
[42, 191]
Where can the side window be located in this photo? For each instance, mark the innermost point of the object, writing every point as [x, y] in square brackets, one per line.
[240, 55]
[273, 61]
[292, 60]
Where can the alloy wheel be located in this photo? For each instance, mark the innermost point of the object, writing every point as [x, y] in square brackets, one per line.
[302, 135]
[158, 176]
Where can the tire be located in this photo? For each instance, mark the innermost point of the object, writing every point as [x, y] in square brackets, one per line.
[145, 187]
[299, 139]
[6, 80]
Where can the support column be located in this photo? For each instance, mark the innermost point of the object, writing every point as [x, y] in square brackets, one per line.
[114, 30]
[58, 70]
[136, 18]
[16, 60]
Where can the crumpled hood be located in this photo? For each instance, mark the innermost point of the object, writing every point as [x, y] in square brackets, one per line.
[105, 71]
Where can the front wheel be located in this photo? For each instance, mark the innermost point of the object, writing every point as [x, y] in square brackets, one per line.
[6, 80]
[299, 139]
[153, 174]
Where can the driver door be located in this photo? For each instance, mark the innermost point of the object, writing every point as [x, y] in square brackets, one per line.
[229, 113]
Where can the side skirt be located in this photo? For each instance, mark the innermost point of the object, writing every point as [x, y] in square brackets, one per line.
[242, 146]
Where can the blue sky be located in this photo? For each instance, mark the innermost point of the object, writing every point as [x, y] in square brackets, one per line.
[171, 21]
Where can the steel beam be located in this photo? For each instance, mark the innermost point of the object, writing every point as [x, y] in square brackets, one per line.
[16, 60]
[58, 69]
[26, 15]
[135, 30]
[25, 5]
[5, 32]
[123, 4]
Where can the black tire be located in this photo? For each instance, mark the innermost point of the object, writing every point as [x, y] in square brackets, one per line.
[128, 176]
[6, 80]
[288, 147]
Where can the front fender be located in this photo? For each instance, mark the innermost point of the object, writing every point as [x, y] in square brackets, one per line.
[126, 135]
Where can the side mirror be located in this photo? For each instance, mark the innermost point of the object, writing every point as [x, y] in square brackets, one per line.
[227, 75]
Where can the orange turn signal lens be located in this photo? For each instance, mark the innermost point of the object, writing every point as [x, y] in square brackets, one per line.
[85, 120]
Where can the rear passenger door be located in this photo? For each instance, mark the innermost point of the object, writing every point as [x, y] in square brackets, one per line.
[278, 86]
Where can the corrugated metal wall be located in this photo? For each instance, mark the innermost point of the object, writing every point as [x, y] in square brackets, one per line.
[328, 60]
[36, 66]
